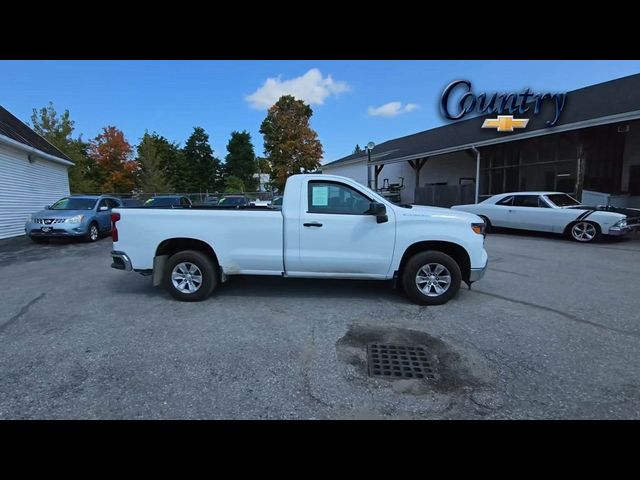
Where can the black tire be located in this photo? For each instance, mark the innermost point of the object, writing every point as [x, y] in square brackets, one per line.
[488, 228]
[203, 263]
[431, 257]
[584, 231]
[40, 239]
[89, 236]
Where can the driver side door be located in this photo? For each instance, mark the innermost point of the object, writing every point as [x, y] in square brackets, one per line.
[339, 237]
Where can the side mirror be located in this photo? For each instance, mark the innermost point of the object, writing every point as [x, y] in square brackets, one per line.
[103, 208]
[378, 210]
[46, 207]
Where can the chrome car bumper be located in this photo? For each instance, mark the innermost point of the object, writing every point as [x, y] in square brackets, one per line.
[121, 261]
[477, 273]
[56, 229]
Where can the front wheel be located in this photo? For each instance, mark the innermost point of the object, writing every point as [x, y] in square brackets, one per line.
[190, 276]
[584, 232]
[93, 233]
[431, 278]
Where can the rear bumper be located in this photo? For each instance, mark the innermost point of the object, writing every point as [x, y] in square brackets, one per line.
[120, 261]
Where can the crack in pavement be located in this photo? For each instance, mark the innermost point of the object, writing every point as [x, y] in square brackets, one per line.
[23, 311]
[561, 313]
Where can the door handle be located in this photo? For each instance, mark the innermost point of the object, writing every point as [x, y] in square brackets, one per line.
[312, 224]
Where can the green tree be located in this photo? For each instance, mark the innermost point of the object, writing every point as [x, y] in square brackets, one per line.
[153, 151]
[290, 144]
[241, 162]
[357, 149]
[202, 170]
[58, 131]
[233, 184]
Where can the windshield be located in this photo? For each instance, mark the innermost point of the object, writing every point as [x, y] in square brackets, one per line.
[71, 203]
[563, 200]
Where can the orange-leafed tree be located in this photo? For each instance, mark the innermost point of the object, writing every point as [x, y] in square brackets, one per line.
[290, 144]
[112, 153]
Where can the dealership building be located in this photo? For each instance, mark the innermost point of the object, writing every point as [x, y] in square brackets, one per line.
[592, 152]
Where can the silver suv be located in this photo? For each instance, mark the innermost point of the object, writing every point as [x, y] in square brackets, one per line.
[83, 216]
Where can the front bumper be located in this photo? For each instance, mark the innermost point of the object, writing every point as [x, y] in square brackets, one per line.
[477, 273]
[616, 231]
[56, 230]
[121, 261]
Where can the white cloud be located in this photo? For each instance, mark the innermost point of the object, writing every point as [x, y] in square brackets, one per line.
[311, 87]
[392, 109]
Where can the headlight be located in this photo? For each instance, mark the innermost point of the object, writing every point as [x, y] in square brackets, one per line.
[76, 219]
[621, 223]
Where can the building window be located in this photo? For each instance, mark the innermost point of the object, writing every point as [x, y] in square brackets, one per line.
[542, 163]
[634, 180]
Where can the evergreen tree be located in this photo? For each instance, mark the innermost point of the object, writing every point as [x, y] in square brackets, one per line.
[152, 158]
[241, 160]
[202, 170]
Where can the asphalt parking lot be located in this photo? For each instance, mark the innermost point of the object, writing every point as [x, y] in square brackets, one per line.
[552, 331]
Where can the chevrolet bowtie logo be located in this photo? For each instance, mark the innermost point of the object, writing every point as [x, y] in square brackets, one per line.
[505, 123]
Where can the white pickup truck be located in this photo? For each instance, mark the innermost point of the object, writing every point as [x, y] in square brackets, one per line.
[328, 227]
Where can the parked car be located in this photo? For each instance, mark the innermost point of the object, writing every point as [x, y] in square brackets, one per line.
[168, 201]
[130, 202]
[276, 202]
[329, 227]
[554, 212]
[85, 216]
[211, 200]
[260, 203]
[233, 201]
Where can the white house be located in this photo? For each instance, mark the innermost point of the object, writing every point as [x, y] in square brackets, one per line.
[33, 173]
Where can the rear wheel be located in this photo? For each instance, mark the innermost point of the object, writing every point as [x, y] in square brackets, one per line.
[584, 232]
[431, 278]
[190, 276]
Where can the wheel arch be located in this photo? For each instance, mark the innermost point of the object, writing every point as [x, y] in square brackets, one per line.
[567, 229]
[454, 250]
[171, 246]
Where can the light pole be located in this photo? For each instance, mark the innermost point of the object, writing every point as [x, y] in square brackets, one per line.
[369, 147]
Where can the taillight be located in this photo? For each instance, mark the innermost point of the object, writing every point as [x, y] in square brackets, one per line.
[114, 229]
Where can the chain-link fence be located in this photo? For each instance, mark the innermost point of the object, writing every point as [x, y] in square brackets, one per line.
[200, 198]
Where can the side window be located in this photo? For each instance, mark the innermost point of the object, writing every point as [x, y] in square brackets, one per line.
[184, 201]
[525, 201]
[506, 201]
[112, 203]
[336, 198]
[103, 203]
[542, 203]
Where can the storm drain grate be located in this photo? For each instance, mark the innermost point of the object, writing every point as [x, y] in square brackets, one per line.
[398, 361]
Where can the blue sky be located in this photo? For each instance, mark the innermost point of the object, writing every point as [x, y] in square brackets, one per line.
[352, 100]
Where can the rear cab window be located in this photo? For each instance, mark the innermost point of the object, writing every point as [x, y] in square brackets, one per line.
[529, 201]
[506, 201]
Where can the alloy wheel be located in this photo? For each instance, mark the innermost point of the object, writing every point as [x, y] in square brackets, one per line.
[433, 279]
